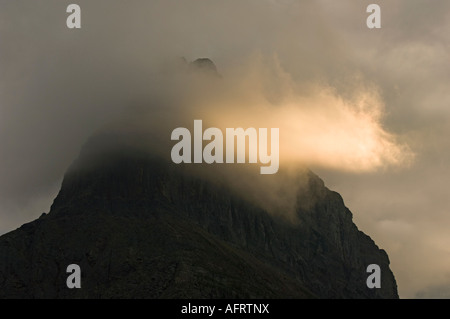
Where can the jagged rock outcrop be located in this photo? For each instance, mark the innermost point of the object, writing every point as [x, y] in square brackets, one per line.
[204, 65]
[142, 228]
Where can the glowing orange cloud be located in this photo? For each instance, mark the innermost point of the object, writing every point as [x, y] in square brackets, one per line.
[319, 127]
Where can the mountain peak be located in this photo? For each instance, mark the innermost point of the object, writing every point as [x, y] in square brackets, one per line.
[204, 65]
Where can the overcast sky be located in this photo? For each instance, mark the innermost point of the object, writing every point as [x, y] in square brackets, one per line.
[58, 86]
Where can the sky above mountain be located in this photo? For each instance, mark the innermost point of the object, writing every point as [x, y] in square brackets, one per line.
[368, 110]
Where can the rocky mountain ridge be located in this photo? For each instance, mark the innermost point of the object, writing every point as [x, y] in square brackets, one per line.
[142, 228]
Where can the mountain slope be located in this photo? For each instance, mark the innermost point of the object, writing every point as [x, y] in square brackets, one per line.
[141, 228]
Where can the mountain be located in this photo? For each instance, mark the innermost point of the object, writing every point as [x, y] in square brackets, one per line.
[141, 227]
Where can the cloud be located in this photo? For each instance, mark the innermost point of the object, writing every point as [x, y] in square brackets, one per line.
[318, 125]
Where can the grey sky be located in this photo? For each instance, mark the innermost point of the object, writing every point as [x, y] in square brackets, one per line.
[58, 86]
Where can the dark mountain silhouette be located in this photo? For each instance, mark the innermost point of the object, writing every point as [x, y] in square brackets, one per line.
[140, 227]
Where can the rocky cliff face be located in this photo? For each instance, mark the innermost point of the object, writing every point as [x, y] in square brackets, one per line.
[141, 228]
